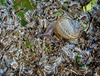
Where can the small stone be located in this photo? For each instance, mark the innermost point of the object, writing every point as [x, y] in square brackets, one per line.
[14, 65]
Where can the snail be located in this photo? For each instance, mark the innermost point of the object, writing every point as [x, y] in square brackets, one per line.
[65, 27]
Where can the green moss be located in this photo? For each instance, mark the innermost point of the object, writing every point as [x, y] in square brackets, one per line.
[60, 12]
[29, 45]
[84, 25]
[5, 34]
[65, 4]
[36, 16]
[48, 49]
[16, 33]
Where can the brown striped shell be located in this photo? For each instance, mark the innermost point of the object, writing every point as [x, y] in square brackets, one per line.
[67, 28]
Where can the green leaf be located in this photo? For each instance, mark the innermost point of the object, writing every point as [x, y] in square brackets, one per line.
[23, 22]
[94, 2]
[89, 6]
[5, 3]
[1, 2]
[20, 4]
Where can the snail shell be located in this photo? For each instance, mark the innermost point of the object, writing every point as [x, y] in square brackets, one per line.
[67, 28]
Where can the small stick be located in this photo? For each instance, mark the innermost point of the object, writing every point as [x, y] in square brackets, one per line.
[20, 10]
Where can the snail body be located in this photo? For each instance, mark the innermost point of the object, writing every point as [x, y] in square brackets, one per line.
[65, 27]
